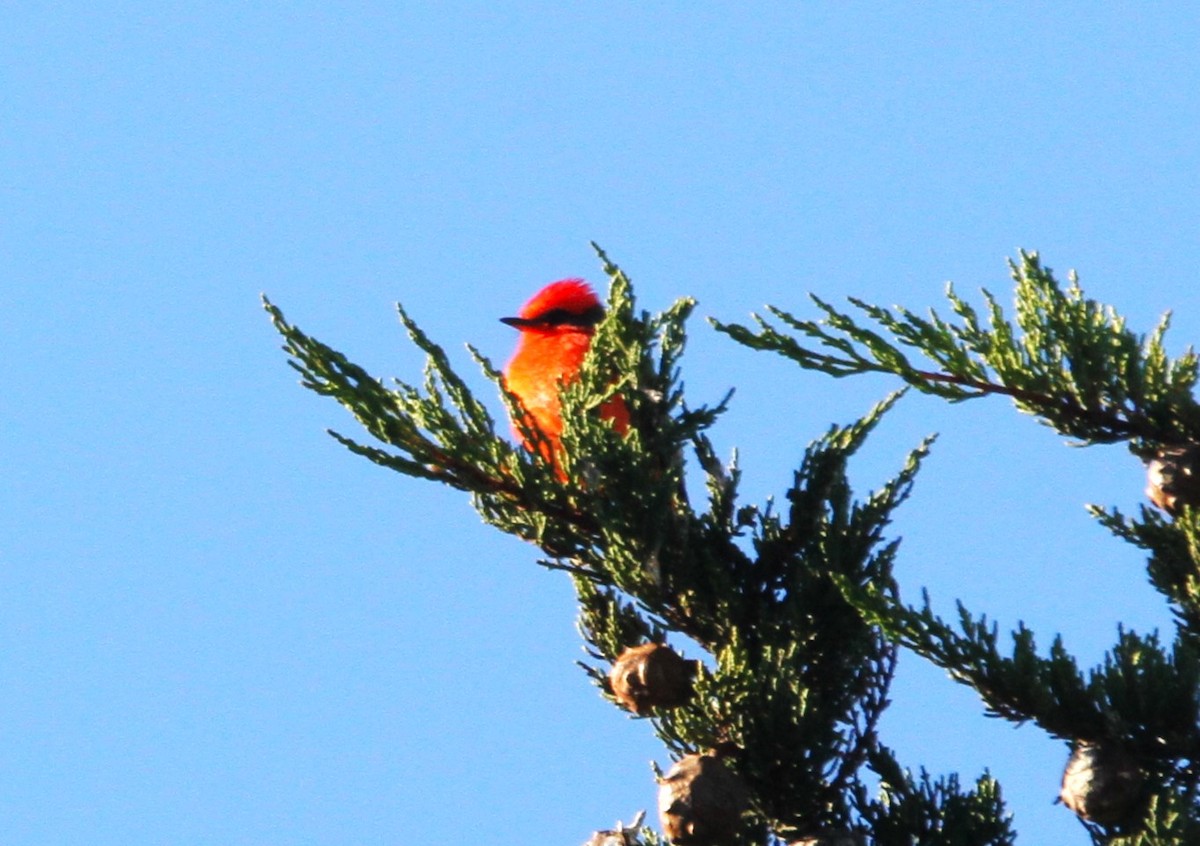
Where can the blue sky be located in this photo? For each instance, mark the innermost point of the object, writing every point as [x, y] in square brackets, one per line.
[217, 626]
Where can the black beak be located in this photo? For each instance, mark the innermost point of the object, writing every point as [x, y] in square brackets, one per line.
[516, 322]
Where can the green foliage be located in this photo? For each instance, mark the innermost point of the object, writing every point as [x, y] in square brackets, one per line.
[1172, 819]
[796, 663]
[1067, 360]
[933, 812]
[1050, 691]
[1140, 694]
[1174, 564]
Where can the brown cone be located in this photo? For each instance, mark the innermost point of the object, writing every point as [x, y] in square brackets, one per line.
[1173, 478]
[1101, 784]
[651, 676]
[700, 801]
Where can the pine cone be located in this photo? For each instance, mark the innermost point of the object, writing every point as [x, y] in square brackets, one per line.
[651, 676]
[700, 801]
[1173, 477]
[1101, 784]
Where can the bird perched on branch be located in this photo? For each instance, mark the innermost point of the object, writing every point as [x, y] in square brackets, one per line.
[556, 328]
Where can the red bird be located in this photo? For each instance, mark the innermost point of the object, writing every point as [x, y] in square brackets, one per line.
[556, 327]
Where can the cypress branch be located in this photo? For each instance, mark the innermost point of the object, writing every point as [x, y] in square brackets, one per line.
[1064, 358]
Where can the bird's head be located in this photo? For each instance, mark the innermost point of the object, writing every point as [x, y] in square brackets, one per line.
[568, 305]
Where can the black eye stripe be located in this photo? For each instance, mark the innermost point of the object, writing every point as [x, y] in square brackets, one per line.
[562, 317]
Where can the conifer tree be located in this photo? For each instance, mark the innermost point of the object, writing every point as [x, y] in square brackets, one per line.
[773, 727]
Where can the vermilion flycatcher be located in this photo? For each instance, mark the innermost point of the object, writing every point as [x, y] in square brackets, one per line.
[556, 330]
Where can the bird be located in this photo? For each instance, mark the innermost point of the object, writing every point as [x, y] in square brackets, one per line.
[556, 327]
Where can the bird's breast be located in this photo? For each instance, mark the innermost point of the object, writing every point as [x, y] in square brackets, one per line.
[538, 368]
